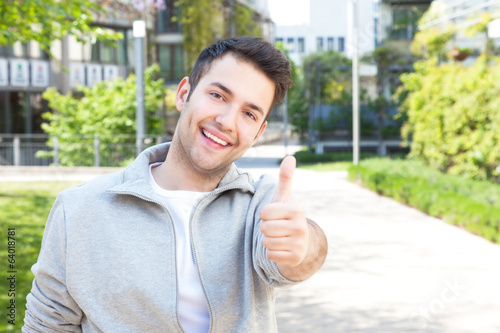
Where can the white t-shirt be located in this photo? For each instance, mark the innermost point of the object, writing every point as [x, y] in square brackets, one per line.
[193, 308]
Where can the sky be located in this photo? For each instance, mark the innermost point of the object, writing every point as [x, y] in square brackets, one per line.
[289, 12]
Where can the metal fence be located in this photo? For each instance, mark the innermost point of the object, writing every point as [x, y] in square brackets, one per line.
[88, 150]
[81, 150]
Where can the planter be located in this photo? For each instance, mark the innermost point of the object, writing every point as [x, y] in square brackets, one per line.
[460, 55]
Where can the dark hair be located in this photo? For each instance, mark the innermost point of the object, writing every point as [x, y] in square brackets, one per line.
[256, 51]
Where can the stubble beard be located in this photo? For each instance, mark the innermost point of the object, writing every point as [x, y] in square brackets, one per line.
[185, 157]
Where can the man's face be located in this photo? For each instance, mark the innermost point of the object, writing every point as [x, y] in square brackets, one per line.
[225, 114]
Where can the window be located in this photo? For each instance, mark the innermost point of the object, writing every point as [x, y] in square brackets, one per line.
[164, 19]
[341, 44]
[330, 44]
[405, 22]
[319, 44]
[27, 50]
[170, 59]
[110, 52]
[301, 45]
[290, 44]
[278, 40]
[5, 51]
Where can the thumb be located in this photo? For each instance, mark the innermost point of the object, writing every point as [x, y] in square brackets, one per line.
[284, 190]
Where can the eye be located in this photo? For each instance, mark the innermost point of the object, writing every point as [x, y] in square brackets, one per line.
[217, 96]
[250, 115]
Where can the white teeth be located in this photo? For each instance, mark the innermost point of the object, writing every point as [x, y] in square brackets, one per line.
[214, 138]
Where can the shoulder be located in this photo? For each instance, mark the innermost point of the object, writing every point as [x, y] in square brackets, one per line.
[92, 190]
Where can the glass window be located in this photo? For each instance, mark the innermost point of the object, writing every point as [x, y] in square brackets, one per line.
[301, 45]
[341, 44]
[330, 44]
[5, 123]
[108, 52]
[171, 62]
[405, 22]
[179, 71]
[38, 107]
[319, 43]
[18, 110]
[165, 21]
[290, 44]
[122, 48]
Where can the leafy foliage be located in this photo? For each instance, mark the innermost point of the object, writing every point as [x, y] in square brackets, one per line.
[246, 25]
[453, 116]
[474, 205]
[106, 110]
[325, 78]
[49, 20]
[202, 25]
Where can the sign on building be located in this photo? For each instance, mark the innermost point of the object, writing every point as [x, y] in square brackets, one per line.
[4, 77]
[40, 73]
[94, 74]
[76, 74]
[19, 73]
[110, 72]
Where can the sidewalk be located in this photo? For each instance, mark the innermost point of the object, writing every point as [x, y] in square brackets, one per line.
[390, 269]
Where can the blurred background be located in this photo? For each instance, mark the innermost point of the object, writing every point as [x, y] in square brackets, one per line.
[67, 83]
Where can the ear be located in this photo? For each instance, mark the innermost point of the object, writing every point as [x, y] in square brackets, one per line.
[182, 93]
[262, 128]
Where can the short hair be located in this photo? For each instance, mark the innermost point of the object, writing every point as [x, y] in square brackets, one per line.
[256, 51]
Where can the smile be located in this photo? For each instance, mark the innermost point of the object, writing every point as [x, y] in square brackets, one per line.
[214, 138]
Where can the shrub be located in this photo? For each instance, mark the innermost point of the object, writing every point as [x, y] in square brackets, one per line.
[471, 204]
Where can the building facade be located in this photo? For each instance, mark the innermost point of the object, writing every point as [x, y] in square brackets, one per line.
[329, 27]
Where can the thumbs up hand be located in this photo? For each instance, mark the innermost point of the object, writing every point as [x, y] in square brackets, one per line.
[284, 224]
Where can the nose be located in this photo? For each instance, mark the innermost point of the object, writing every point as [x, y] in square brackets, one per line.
[227, 119]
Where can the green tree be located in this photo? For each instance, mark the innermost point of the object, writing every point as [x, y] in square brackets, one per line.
[326, 79]
[49, 20]
[453, 116]
[107, 110]
[202, 25]
[386, 83]
[246, 25]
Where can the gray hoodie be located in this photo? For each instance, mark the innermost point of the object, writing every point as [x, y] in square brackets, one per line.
[107, 262]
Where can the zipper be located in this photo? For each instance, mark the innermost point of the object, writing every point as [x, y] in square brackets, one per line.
[192, 244]
[175, 249]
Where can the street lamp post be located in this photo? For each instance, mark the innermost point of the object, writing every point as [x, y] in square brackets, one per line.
[355, 87]
[139, 32]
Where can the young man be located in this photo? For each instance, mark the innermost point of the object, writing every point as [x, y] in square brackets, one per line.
[182, 240]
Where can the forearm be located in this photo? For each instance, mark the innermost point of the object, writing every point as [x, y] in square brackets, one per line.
[314, 259]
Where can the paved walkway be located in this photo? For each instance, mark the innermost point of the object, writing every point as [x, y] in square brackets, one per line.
[390, 269]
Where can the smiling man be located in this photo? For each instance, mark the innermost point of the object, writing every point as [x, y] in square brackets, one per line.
[181, 240]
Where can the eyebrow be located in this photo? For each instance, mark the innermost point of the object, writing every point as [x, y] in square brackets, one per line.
[230, 93]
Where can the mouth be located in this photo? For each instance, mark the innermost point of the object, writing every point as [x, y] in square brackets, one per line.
[214, 138]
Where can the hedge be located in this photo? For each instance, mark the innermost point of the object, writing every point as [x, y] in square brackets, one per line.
[471, 204]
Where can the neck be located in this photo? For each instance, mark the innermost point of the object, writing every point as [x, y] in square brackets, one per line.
[177, 174]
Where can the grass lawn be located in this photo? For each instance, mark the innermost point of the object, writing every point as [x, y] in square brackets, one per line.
[24, 208]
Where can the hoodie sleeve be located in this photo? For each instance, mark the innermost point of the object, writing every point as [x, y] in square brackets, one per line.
[266, 269]
[50, 307]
